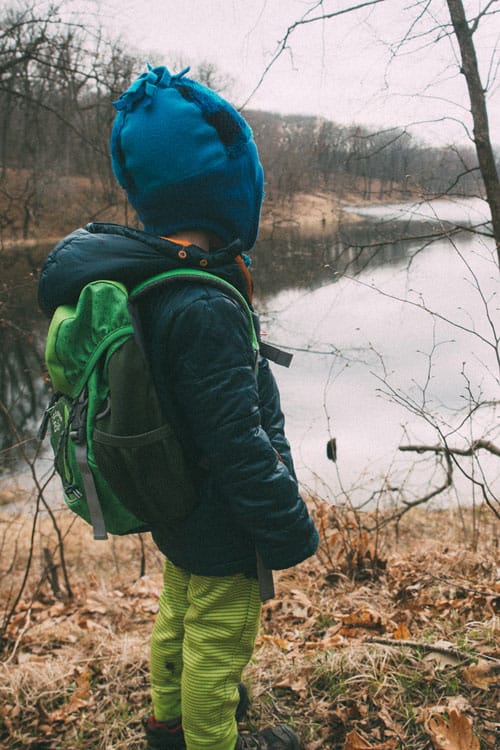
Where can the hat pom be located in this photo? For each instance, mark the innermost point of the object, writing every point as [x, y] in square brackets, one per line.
[145, 87]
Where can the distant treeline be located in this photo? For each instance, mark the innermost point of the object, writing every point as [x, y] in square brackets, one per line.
[57, 82]
[307, 153]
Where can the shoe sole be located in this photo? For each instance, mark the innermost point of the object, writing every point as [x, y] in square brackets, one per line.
[296, 744]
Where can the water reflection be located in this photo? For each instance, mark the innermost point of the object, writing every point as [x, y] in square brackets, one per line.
[287, 259]
[401, 353]
[22, 390]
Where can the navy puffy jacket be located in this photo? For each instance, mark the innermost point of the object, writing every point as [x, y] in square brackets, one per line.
[231, 423]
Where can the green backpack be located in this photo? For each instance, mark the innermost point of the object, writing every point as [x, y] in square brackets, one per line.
[121, 464]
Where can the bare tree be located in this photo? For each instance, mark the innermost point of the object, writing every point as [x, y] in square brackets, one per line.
[57, 82]
[464, 31]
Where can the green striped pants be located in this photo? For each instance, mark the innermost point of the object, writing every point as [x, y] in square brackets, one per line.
[203, 637]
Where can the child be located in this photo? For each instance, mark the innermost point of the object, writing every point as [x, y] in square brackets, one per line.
[190, 167]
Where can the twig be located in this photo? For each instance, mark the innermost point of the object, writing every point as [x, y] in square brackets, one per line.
[429, 648]
[409, 504]
[486, 445]
[450, 453]
[19, 638]
[283, 43]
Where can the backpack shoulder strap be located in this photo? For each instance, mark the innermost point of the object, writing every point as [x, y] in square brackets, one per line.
[190, 275]
[269, 351]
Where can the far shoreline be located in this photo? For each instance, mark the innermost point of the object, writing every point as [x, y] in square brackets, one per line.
[318, 211]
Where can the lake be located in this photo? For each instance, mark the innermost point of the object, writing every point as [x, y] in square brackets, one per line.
[393, 335]
[372, 366]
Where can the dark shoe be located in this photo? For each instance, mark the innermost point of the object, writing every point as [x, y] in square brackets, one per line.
[243, 703]
[274, 738]
[162, 736]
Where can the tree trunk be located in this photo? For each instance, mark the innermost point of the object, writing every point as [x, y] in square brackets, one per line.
[484, 149]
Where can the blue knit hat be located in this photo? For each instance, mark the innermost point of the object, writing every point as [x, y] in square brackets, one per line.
[186, 158]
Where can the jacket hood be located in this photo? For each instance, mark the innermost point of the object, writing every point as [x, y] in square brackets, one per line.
[111, 251]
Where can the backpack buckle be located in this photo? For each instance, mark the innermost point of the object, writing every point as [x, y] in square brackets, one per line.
[42, 430]
[78, 418]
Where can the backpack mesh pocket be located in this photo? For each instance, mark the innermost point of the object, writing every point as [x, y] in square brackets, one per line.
[148, 473]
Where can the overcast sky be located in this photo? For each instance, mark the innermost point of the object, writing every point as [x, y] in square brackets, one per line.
[349, 69]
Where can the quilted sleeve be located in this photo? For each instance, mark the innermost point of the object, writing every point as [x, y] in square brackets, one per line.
[272, 417]
[214, 381]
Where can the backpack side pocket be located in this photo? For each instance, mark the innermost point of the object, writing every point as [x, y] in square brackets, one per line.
[137, 451]
[148, 472]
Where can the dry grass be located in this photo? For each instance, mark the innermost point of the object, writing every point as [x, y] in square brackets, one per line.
[371, 638]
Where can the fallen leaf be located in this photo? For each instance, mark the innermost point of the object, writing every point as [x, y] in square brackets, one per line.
[26, 657]
[316, 745]
[149, 605]
[366, 618]
[147, 586]
[442, 660]
[402, 632]
[282, 643]
[298, 684]
[354, 741]
[302, 601]
[444, 655]
[458, 703]
[331, 639]
[82, 690]
[79, 699]
[456, 735]
[391, 726]
[482, 675]
[94, 607]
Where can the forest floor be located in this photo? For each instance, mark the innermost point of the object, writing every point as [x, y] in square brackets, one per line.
[386, 639]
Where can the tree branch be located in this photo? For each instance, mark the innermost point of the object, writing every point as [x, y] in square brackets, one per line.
[282, 44]
[476, 445]
[429, 648]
